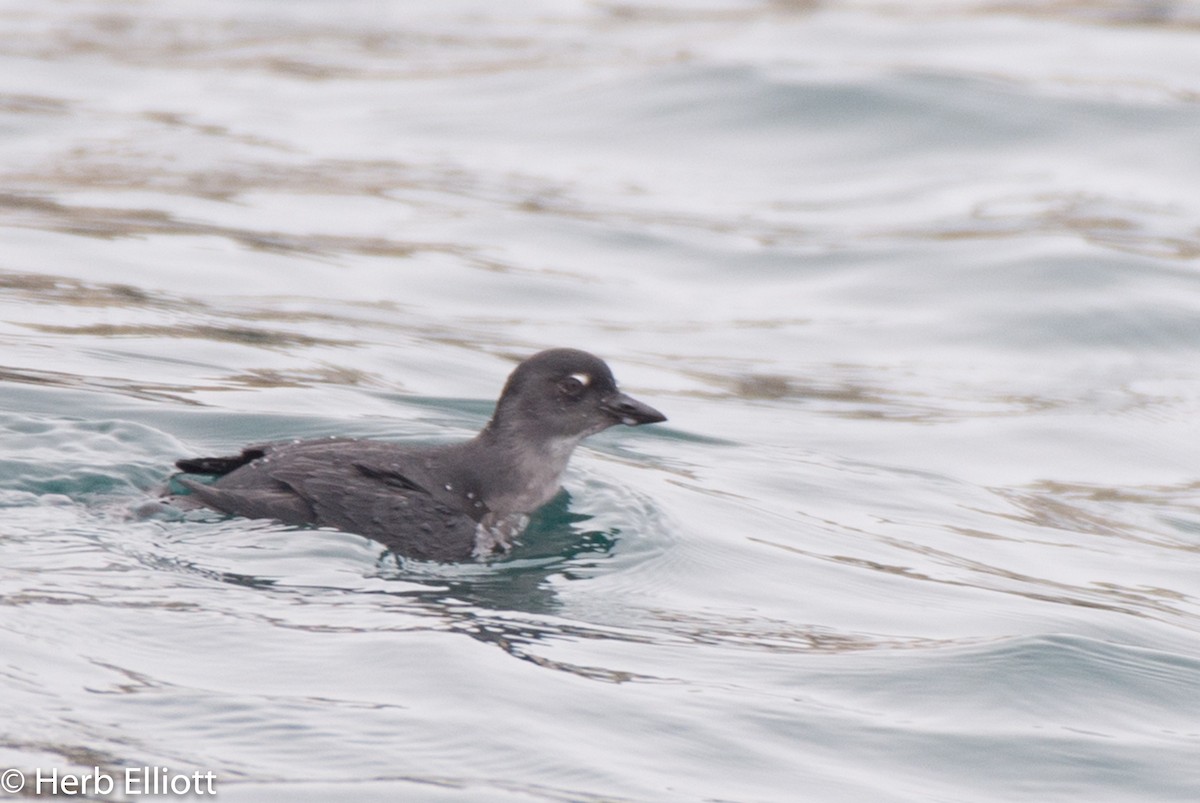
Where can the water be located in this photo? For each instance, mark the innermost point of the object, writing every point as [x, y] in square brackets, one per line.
[916, 284]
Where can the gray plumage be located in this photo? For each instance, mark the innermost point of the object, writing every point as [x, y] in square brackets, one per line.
[440, 503]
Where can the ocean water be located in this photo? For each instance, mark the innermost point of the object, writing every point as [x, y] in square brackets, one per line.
[917, 285]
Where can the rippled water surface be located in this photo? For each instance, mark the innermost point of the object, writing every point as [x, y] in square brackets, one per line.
[917, 284]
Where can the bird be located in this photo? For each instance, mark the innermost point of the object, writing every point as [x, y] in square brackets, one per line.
[447, 503]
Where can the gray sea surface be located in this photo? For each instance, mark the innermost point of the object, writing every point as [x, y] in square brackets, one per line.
[917, 284]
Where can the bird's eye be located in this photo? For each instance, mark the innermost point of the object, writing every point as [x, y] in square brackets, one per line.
[571, 387]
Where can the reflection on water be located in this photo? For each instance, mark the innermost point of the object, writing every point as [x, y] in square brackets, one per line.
[1128, 512]
[1136, 228]
[100, 222]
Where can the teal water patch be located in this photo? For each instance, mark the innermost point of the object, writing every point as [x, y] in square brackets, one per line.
[79, 458]
[1045, 715]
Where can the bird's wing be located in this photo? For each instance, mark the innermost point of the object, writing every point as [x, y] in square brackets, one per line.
[256, 503]
[331, 488]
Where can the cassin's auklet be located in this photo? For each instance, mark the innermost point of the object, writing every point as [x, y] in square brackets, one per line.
[439, 503]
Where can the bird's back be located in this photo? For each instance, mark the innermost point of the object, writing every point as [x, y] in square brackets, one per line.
[367, 487]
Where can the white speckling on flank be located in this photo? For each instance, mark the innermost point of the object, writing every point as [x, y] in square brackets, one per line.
[449, 487]
[497, 534]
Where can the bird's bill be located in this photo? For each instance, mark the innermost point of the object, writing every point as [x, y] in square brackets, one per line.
[631, 412]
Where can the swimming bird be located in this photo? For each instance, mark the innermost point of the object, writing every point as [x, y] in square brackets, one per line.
[442, 503]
